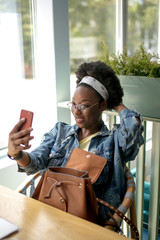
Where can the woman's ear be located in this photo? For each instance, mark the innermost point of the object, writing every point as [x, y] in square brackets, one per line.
[103, 106]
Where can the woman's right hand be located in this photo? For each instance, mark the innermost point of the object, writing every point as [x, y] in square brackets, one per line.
[19, 140]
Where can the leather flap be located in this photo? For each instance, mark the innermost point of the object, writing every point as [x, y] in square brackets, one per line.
[83, 160]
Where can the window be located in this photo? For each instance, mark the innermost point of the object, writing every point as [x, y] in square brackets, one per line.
[90, 22]
[143, 24]
[27, 80]
[16, 60]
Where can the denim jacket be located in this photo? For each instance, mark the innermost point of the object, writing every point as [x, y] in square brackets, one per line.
[118, 146]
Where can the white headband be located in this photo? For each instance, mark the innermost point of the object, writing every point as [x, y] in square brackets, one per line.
[94, 83]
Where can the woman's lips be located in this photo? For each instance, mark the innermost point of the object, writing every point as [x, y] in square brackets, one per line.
[79, 120]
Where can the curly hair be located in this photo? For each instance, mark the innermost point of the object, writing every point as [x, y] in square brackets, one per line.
[105, 75]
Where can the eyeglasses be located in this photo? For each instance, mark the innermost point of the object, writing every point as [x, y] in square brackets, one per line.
[81, 107]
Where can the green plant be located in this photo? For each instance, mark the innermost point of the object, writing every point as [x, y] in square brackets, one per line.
[141, 63]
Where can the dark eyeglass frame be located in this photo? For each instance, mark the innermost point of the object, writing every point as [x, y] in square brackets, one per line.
[81, 107]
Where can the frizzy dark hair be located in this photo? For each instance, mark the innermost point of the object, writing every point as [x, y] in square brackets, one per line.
[104, 74]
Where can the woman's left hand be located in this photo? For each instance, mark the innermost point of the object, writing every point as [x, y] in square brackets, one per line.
[119, 108]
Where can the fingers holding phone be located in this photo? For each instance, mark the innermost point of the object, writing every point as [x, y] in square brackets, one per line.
[19, 137]
[26, 124]
[23, 136]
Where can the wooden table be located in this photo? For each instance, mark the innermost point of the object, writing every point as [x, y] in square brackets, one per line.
[37, 220]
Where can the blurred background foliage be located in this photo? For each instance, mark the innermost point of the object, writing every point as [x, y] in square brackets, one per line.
[140, 63]
[92, 22]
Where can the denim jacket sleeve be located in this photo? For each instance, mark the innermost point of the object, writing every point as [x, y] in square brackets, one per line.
[39, 157]
[129, 134]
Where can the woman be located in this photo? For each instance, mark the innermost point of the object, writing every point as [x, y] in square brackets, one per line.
[98, 89]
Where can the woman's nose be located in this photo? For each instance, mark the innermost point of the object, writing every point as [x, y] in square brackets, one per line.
[76, 110]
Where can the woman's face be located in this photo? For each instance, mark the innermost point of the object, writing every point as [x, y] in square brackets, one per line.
[91, 117]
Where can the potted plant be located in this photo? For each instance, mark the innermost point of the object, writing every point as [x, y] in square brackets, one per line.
[139, 75]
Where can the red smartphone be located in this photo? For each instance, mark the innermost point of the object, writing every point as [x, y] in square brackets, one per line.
[28, 115]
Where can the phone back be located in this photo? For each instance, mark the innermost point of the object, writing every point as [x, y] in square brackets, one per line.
[28, 115]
